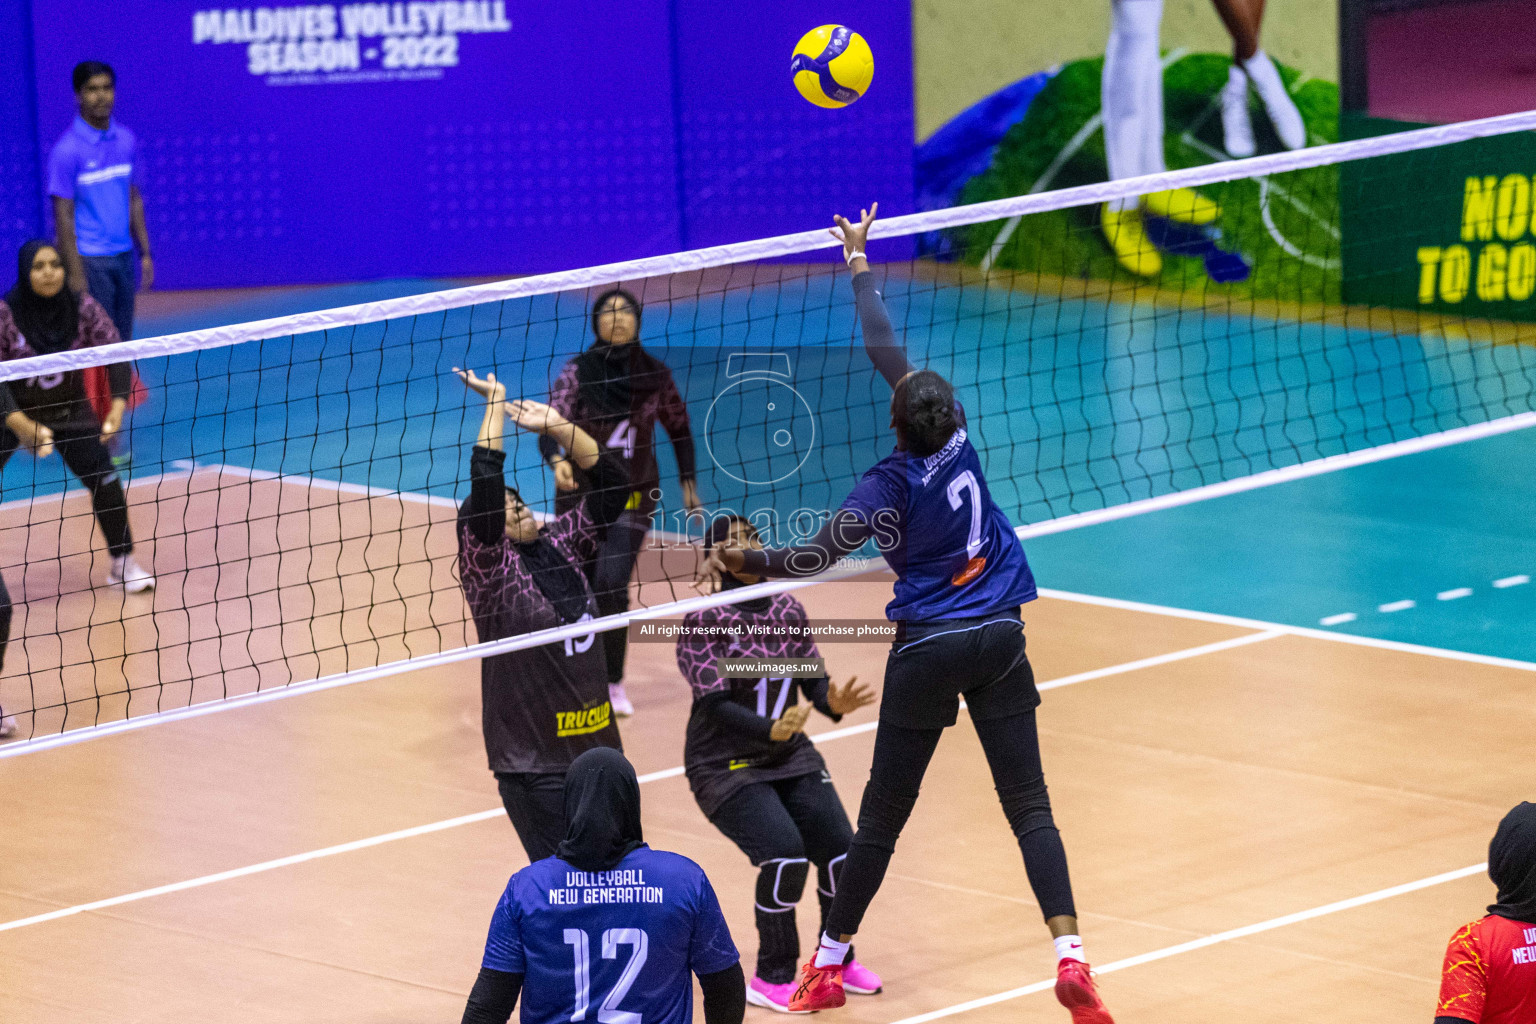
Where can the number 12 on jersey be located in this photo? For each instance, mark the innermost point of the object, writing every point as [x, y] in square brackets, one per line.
[613, 938]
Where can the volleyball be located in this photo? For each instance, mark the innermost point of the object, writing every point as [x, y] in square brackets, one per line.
[832, 66]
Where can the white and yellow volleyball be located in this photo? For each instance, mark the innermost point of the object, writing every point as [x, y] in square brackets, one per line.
[832, 66]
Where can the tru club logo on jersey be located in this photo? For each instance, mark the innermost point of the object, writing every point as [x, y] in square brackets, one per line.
[587, 720]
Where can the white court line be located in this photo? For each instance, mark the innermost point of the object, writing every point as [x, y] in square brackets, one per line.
[1397, 606]
[1283, 475]
[319, 483]
[1163, 659]
[1304, 631]
[1207, 941]
[1512, 581]
[470, 819]
[363, 490]
[69, 489]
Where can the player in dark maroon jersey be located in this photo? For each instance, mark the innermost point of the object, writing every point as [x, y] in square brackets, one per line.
[542, 706]
[617, 392]
[1489, 975]
[755, 773]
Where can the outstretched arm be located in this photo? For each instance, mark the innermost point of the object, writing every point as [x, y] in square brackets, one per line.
[880, 342]
[547, 421]
[841, 535]
[485, 513]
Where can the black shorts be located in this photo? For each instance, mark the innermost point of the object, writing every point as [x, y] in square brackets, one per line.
[935, 662]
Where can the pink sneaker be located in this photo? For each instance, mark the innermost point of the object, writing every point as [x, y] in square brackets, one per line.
[860, 980]
[771, 997]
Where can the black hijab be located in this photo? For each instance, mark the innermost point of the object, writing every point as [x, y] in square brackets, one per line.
[555, 576]
[602, 811]
[49, 325]
[719, 533]
[1512, 864]
[606, 372]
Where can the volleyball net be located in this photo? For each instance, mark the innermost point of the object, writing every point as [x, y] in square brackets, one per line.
[1119, 347]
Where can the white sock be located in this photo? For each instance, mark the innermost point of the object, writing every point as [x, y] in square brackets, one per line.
[1070, 947]
[1132, 90]
[831, 953]
[1277, 100]
[1263, 71]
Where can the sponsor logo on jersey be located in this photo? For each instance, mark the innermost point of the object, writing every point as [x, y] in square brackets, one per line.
[583, 722]
[970, 572]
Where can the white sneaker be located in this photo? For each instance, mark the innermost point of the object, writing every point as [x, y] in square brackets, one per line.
[1277, 100]
[133, 577]
[8, 725]
[620, 700]
[1236, 124]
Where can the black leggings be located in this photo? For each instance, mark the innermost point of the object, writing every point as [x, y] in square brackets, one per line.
[901, 757]
[610, 572]
[783, 827]
[82, 451]
[535, 801]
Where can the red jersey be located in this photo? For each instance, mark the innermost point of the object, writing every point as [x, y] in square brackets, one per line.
[1489, 975]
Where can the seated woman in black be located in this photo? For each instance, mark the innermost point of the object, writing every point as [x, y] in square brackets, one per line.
[541, 706]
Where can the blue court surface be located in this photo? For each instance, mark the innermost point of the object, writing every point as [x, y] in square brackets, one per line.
[1076, 404]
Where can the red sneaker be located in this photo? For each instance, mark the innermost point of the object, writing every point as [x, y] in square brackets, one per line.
[820, 988]
[1075, 991]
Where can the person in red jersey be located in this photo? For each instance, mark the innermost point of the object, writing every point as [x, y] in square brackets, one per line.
[1489, 975]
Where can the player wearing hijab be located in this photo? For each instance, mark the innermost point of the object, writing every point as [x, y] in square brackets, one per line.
[543, 706]
[756, 775]
[42, 315]
[617, 392]
[1489, 975]
[961, 577]
[607, 927]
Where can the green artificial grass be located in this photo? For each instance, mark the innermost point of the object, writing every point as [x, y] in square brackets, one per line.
[1293, 250]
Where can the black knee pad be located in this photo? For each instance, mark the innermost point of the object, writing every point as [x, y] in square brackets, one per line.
[780, 883]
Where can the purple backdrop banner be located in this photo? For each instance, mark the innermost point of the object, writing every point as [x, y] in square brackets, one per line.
[334, 142]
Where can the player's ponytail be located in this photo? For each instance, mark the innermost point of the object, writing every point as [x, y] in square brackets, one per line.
[923, 410]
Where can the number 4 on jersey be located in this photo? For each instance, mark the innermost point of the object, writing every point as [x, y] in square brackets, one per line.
[623, 438]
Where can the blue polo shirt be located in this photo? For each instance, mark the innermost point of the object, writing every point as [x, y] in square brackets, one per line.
[96, 169]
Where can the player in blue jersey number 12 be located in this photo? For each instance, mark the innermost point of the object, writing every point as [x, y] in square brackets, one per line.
[961, 577]
[607, 930]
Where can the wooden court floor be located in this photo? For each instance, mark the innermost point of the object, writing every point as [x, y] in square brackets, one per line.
[1234, 785]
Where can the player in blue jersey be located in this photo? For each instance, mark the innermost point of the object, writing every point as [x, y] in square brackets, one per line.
[608, 929]
[961, 577]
